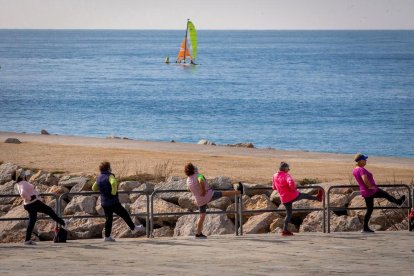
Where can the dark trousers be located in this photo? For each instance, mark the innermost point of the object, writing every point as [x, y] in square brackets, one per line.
[370, 204]
[288, 207]
[118, 209]
[35, 207]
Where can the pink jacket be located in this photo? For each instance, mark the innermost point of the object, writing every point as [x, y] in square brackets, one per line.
[285, 185]
[26, 191]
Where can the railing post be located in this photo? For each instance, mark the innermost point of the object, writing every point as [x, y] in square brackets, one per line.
[328, 210]
[241, 210]
[152, 215]
[236, 217]
[324, 210]
[147, 220]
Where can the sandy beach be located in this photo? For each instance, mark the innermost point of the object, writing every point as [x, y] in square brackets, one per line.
[72, 154]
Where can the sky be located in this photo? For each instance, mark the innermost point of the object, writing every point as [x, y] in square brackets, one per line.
[207, 14]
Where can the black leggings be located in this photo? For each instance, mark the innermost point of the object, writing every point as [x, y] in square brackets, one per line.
[288, 207]
[35, 207]
[118, 209]
[370, 204]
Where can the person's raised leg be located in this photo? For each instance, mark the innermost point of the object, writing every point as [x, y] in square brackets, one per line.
[123, 213]
[383, 194]
[43, 208]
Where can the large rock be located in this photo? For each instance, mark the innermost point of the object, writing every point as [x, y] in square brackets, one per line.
[6, 171]
[214, 224]
[220, 182]
[46, 229]
[339, 200]
[313, 222]
[275, 198]
[70, 182]
[5, 189]
[12, 141]
[145, 187]
[206, 142]
[82, 184]
[173, 183]
[13, 231]
[164, 231]
[257, 202]
[187, 201]
[277, 226]
[222, 203]
[345, 224]
[86, 228]
[81, 204]
[44, 178]
[58, 190]
[160, 206]
[257, 189]
[44, 132]
[259, 223]
[129, 185]
[121, 230]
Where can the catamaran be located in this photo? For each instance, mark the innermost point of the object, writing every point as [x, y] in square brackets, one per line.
[188, 51]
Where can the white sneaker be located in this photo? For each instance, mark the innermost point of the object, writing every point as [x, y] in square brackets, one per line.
[109, 239]
[139, 228]
[29, 242]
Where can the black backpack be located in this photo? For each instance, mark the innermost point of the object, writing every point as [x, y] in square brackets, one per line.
[61, 234]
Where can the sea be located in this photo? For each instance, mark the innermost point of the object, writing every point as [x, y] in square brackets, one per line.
[322, 91]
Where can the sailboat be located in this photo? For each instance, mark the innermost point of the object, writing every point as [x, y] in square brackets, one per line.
[188, 51]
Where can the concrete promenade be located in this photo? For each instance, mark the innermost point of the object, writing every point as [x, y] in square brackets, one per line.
[382, 253]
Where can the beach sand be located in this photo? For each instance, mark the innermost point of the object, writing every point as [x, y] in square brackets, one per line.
[72, 154]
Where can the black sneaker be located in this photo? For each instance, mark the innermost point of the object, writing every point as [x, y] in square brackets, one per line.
[240, 188]
[200, 236]
[401, 200]
[367, 231]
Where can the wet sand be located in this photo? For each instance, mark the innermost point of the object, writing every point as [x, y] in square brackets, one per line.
[72, 154]
[382, 253]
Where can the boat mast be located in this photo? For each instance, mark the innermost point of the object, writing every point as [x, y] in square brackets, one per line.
[185, 38]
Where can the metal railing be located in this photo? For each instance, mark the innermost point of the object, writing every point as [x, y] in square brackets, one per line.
[242, 212]
[26, 218]
[65, 195]
[153, 215]
[329, 208]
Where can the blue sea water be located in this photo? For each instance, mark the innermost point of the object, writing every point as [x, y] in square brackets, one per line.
[326, 91]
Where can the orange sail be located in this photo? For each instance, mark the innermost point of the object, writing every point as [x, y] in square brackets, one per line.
[184, 48]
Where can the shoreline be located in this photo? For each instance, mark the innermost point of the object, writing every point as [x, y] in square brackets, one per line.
[76, 154]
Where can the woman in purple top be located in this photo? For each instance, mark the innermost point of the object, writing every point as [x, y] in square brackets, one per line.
[369, 190]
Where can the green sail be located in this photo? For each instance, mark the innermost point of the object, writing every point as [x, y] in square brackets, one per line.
[193, 38]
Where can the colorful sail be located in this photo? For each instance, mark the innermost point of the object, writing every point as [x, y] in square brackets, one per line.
[193, 38]
[186, 49]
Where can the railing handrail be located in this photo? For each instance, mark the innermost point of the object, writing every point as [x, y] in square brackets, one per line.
[329, 208]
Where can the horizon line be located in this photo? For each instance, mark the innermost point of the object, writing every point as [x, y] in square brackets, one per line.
[137, 29]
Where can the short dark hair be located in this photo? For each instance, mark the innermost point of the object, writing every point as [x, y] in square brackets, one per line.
[189, 169]
[104, 166]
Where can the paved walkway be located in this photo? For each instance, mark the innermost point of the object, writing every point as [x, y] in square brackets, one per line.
[383, 253]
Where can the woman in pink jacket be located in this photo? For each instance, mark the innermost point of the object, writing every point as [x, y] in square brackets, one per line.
[286, 187]
[33, 204]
